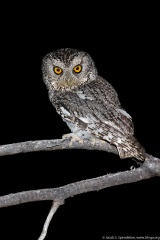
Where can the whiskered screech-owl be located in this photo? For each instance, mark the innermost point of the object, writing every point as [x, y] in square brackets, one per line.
[87, 102]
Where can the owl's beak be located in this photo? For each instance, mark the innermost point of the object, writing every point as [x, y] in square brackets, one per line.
[69, 82]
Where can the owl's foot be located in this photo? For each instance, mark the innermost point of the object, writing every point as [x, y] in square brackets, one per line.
[74, 137]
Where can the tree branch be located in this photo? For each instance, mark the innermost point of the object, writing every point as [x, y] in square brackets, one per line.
[57, 144]
[150, 168]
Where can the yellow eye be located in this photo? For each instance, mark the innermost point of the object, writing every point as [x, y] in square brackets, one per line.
[77, 69]
[57, 70]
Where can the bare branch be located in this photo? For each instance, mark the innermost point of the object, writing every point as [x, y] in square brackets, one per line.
[150, 168]
[54, 208]
[58, 144]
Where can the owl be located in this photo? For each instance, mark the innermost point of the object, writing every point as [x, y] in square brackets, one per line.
[87, 103]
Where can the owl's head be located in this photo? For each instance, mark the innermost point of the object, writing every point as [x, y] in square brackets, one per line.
[67, 68]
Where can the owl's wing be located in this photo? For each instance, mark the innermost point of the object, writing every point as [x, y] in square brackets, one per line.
[102, 124]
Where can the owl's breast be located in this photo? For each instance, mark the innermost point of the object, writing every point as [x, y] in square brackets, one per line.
[68, 105]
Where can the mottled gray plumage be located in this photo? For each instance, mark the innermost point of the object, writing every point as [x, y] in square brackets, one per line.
[87, 102]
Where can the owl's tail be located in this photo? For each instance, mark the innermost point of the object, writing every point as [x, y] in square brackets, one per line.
[131, 148]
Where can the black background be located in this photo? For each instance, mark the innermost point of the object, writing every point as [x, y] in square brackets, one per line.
[123, 41]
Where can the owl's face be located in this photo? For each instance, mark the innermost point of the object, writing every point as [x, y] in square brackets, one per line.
[67, 68]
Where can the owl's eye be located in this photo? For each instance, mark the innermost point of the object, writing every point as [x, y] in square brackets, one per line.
[57, 70]
[77, 69]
